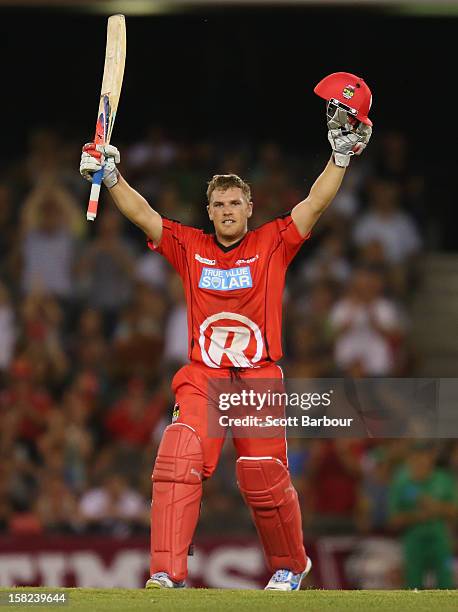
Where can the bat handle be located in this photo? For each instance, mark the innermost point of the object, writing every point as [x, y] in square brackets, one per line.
[94, 196]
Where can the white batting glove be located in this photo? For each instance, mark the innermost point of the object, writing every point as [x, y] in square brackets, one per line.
[92, 159]
[345, 140]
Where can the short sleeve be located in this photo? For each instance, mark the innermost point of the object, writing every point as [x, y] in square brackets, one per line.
[290, 236]
[175, 240]
[283, 230]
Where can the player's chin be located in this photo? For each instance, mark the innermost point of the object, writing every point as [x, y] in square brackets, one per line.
[228, 231]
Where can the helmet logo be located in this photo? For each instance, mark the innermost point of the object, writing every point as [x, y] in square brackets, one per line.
[348, 92]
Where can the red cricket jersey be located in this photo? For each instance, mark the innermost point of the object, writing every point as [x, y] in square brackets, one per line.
[233, 294]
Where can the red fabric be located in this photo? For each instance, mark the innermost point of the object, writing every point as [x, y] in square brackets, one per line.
[266, 487]
[230, 326]
[190, 386]
[177, 491]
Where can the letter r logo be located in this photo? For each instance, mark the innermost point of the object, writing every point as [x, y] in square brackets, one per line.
[230, 340]
[240, 340]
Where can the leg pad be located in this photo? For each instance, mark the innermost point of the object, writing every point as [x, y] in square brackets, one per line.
[177, 492]
[267, 489]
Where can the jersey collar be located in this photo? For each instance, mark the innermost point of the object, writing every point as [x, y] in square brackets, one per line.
[226, 249]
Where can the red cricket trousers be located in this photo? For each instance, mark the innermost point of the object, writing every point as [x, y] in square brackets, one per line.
[190, 386]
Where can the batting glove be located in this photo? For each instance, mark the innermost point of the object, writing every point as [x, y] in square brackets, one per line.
[346, 140]
[94, 157]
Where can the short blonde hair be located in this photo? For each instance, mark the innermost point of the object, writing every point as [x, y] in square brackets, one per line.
[227, 181]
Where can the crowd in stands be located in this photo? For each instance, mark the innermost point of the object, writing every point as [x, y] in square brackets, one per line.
[93, 326]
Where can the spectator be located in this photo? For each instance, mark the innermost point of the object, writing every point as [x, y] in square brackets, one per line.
[386, 223]
[88, 345]
[151, 270]
[396, 162]
[106, 268]
[87, 386]
[133, 418]
[18, 475]
[138, 337]
[40, 341]
[67, 443]
[313, 306]
[48, 248]
[397, 276]
[113, 508]
[328, 263]
[310, 357]
[89, 350]
[56, 506]
[27, 401]
[423, 505]
[347, 202]
[368, 326]
[372, 507]
[333, 473]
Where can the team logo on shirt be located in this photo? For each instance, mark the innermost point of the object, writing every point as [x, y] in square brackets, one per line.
[232, 335]
[226, 280]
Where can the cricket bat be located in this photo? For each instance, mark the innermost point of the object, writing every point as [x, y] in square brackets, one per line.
[115, 59]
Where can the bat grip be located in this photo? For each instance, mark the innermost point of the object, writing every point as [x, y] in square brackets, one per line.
[94, 196]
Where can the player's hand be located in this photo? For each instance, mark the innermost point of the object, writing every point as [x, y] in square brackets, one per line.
[94, 157]
[345, 138]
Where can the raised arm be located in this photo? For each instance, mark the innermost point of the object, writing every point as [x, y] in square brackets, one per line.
[306, 213]
[346, 140]
[128, 201]
[136, 209]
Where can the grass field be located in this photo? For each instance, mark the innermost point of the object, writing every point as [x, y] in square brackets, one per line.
[208, 600]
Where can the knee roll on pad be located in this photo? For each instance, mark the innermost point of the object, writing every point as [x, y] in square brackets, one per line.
[177, 491]
[179, 457]
[267, 489]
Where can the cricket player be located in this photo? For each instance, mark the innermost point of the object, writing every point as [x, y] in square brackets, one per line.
[233, 281]
[423, 505]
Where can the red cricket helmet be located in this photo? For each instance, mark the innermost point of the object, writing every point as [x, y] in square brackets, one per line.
[349, 92]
